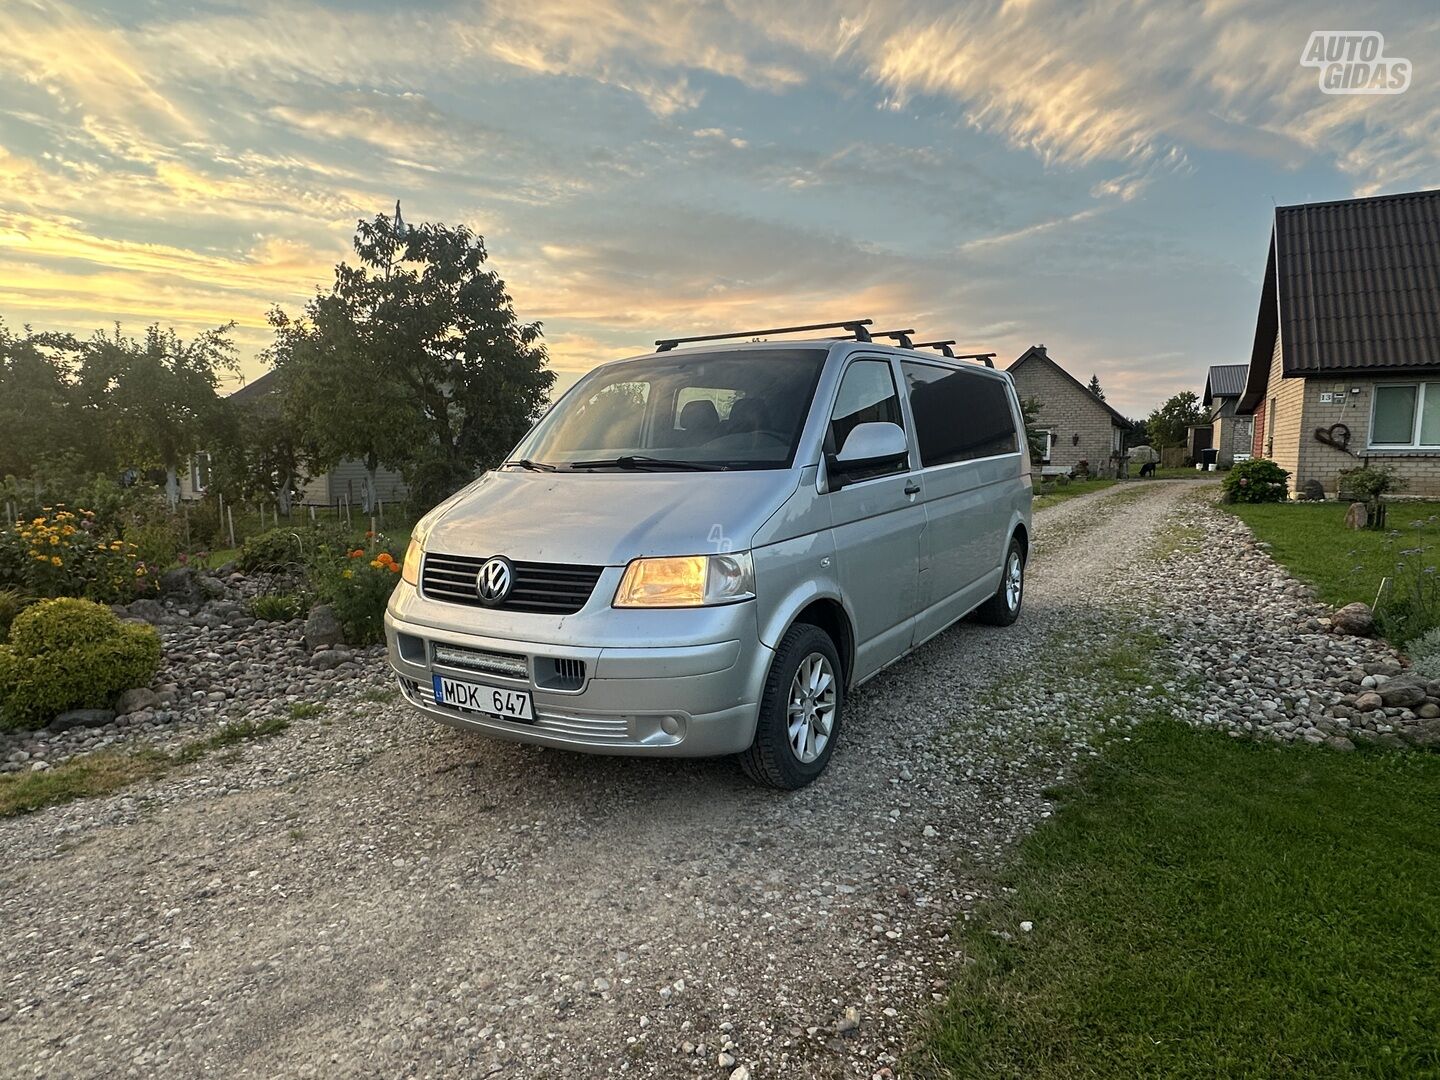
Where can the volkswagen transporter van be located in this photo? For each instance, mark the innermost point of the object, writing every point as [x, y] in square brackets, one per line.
[704, 550]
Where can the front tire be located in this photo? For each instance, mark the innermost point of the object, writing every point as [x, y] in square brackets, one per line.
[800, 711]
[1003, 608]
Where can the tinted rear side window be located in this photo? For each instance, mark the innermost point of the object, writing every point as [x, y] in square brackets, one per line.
[959, 415]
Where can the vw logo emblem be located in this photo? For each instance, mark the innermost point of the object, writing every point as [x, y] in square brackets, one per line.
[494, 580]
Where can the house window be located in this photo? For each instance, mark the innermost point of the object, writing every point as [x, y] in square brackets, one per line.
[200, 472]
[1406, 417]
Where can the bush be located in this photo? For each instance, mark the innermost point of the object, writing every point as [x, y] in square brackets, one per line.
[1425, 654]
[67, 553]
[280, 607]
[1063, 480]
[1370, 484]
[1258, 480]
[71, 654]
[272, 550]
[12, 602]
[357, 586]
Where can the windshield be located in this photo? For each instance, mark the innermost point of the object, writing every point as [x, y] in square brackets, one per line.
[731, 410]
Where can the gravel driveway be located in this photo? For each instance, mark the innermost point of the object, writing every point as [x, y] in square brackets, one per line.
[371, 893]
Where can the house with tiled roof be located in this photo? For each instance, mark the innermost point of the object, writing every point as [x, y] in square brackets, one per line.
[1345, 366]
[1077, 425]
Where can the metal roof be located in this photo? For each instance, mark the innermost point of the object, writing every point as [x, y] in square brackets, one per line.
[1225, 380]
[256, 388]
[1351, 286]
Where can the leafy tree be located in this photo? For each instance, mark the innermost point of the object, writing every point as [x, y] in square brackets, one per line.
[155, 399]
[260, 454]
[415, 359]
[1094, 387]
[38, 403]
[1166, 425]
[1036, 437]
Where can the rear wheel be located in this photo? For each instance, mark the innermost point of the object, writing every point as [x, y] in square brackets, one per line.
[1003, 608]
[800, 711]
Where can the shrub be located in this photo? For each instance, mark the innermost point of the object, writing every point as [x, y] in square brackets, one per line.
[273, 549]
[357, 586]
[12, 602]
[71, 654]
[1370, 484]
[67, 553]
[1258, 480]
[1081, 470]
[1063, 480]
[280, 607]
[1425, 653]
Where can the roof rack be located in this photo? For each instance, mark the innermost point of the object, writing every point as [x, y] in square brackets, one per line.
[986, 358]
[902, 337]
[856, 327]
[943, 346]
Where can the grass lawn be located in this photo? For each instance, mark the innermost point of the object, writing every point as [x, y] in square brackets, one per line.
[1344, 565]
[1069, 491]
[1206, 907]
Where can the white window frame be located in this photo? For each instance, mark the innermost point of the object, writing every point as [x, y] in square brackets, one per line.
[1414, 443]
[195, 484]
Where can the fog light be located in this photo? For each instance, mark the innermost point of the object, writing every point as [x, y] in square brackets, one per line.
[670, 725]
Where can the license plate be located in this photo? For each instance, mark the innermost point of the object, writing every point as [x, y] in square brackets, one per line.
[476, 697]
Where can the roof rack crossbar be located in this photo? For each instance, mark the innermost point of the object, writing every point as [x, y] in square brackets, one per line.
[856, 327]
[902, 337]
[943, 346]
[986, 358]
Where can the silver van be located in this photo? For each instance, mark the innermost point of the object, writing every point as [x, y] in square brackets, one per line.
[703, 550]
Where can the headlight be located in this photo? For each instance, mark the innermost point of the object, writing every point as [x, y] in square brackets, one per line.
[687, 581]
[410, 569]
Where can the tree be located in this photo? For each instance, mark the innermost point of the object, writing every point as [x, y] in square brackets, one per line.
[1167, 424]
[1094, 387]
[260, 455]
[155, 399]
[415, 359]
[1036, 437]
[38, 402]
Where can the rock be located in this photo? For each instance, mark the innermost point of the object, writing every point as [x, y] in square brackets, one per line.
[741, 1072]
[1312, 491]
[136, 700]
[725, 1060]
[1354, 619]
[1357, 517]
[152, 611]
[850, 1021]
[1402, 693]
[1428, 711]
[1339, 742]
[1369, 702]
[180, 584]
[322, 628]
[76, 718]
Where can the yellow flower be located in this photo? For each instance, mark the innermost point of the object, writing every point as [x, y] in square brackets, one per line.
[347, 574]
[54, 539]
[55, 560]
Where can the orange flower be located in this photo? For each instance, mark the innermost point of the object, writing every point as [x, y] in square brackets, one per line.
[394, 567]
[357, 553]
[385, 557]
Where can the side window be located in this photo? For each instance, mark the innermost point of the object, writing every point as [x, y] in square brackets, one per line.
[959, 415]
[867, 396]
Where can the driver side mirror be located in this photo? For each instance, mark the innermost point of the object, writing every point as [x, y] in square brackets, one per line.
[867, 445]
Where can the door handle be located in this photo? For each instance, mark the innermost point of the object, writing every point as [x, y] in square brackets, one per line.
[912, 487]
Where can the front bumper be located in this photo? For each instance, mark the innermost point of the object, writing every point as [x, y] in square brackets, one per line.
[691, 699]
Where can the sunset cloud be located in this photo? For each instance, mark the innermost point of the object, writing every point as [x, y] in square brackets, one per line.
[1097, 175]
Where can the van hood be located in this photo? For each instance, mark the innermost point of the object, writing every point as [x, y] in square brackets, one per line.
[608, 518]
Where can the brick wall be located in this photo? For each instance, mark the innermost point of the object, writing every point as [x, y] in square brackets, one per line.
[1284, 406]
[1232, 436]
[1420, 469]
[1068, 410]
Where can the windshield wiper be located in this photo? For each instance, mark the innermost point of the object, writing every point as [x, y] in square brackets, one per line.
[533, 466]
[642, 463]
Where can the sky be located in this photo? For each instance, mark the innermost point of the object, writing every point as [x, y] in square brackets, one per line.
[1095, 175]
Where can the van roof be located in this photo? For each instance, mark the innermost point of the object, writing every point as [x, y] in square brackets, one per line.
[848, 344]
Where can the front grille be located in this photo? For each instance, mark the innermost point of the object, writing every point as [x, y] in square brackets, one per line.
[548, 588]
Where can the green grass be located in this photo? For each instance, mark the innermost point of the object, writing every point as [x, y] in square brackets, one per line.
[1344, 565]
[1209, 907]
[1069, 491]
[305, 710]
[108, 771]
